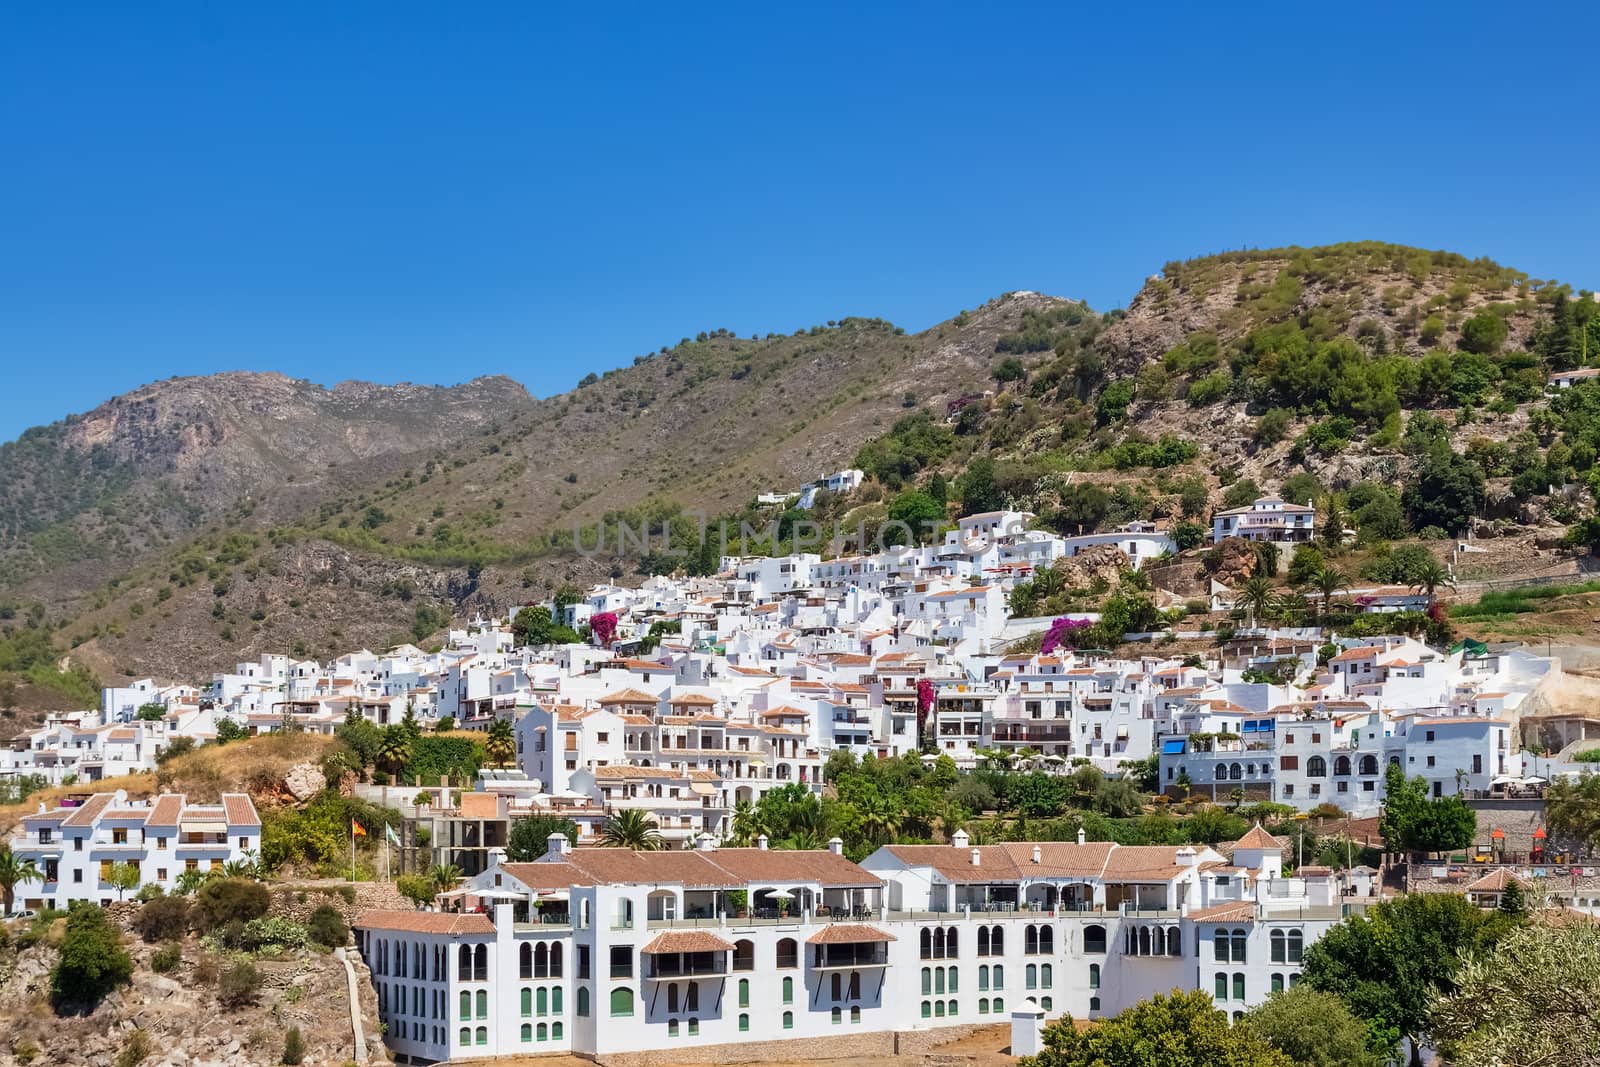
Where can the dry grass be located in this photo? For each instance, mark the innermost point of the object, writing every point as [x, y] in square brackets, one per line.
[137, 785]
[255, 765]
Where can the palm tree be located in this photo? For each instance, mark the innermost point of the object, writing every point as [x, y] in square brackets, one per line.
[1325, 581]
[501, 746]
[746, 825]
[630, 828]
[240, 868]
[445, 877]
[15, 871]
[1255, 597]
[394, 750]
[1047, 582]
[1431, 576]
[880, 819]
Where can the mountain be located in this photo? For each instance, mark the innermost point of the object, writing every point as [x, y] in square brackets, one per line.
[200, 521]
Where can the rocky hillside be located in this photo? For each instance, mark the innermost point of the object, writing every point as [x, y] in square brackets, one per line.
[82, 499]
[184, 1009]
[1341, 370]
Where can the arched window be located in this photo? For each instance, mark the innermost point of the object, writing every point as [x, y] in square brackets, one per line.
[938, 979]
[1094, 938]
[542, 999]
[983, 940]
[480, 964]
[1030, 977]
[621, 1001]
[1238, 772]
[483, 1003]
[952, 943]
[466, 1035]
[938, 943]
[788, 990]
[1277, 941]
[983, 1005]
[1030, 940]
[1341, 766]
[1220, 986]
[544, 1032]
[854, 989]
[789, 952]
[997, 941]
[555, 1000]
[466, 1005]
[836, 986]
[555, 1032]
[1144, 941]
[466, 963]
[999, 976]
[1174, 941]
[692, 1001]
[788, 1020]
[525, 960]
[1239, 939]
[983, 977]
[1277, 982]
[527, 1001]
[1047, 939]
[1296, 945]
[998, 1004]
[1046, 976]
[583, 1001]
[927, 943]
[481, 1035]
[744, 992]
[1316, 767]
[672, 998]
[1221, 939]
[744, 1023]
[1369, 764]
[1238, 986]
[1094, 976]
[527, 1032]
[951, 984]
[555, 960]
[744, 955]
[927, 980]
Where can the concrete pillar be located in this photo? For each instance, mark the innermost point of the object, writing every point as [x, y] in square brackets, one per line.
[1027, 1028]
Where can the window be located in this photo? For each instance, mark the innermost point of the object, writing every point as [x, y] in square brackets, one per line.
[744, 1024]
[788, 1020]
[1238, 986]
[999, 976]
[1278, 952]
[1296, 945]
[855, 1014]
[927, 980]
[1094, 939]
[583, 1002]
[543, 1000]
[466, 1005]
[744, 992]
[788, 953]
[482, 1035]
[466, 1035]
[483, 1004]
[1094, 976]
[672, 1025]
[621, 1001]
[998, 1004]
[525, 960]
[927, 1009]
[788, 990]
[1221, 990]
[1316, 767]
[527, 1002]
[1094, 1003]
[1030, 977]
[1277, 983]
[836, 1016]
[527, 1032]
[622, 961]
[1046, 977]
[1047, 1003]
[744, 955]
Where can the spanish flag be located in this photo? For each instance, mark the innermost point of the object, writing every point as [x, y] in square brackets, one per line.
[356, 829]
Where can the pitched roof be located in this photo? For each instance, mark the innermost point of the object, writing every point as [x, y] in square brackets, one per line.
[1258, 838]
[848, 934]
[627, 696]
[1493, 882]
[426, 922]
[240, 810]
[685, 941]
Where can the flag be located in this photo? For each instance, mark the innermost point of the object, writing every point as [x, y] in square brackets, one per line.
[388, 831]
[356, 829]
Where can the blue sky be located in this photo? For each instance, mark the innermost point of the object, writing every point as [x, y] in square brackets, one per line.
[425, 192]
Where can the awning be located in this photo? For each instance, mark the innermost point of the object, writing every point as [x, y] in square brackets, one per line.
[702, 789]
[204, 827]
[848, 934]
[1171, 748]
[1122, 733]
[674, 941]
[1498, 834]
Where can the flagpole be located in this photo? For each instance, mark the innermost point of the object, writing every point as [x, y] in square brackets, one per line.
[352, 851]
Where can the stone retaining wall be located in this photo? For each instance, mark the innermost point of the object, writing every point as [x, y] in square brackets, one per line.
[844, 1046]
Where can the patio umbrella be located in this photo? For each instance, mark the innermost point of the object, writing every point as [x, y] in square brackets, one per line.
[497, 894]
[1505, 779]
[557, 895]
[1535, 780]
[781, 894]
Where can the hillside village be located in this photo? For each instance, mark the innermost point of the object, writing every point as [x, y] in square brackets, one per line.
[688, 704]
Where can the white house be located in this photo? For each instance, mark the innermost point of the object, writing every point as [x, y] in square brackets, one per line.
[1268, 519]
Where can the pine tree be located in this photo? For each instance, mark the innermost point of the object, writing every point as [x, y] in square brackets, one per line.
[1511, 899]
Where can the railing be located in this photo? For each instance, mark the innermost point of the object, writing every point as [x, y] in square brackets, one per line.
[660, 970]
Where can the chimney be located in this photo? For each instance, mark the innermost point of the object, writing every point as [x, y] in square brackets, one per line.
[960, 839]
[557, 844]
[706, 843]
[1080, 835]
[1187, 857]
[1037, 852]
[976, 856]
[836, 845]
[761, 842]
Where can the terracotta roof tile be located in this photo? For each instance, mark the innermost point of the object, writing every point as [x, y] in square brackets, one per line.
[848, 934]
[427, 922]
[685, 941]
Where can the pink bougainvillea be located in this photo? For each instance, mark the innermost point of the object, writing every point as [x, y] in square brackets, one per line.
[604, 627]
[925, 696]
[1063, 633]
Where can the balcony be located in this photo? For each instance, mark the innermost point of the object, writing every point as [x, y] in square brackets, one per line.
[667, 966]
[850, 957]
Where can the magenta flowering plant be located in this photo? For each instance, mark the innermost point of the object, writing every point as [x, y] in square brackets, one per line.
[604, 627]
[1063, 633]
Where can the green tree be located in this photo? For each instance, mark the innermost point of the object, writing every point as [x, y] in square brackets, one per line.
[1389, 964]
[979, 493]
[1314, 1029]
[364, 738]
[1572, 808]
[1412, 821]
[1448, 492]
[532, 625]
[919, 511]
[445, 877]
[1431, 576]
[1255, 597]
[124, 878]
[1484, 333]
[1187, 534]
[1533, 1001]
[630, 828]
[1180, 1030]
[92, 961]
[1512, 902]
[529, 838]
[1328, 582]
[15, 871]
[417, 888]
[1010, 369]
[394, 749]
[500, 745]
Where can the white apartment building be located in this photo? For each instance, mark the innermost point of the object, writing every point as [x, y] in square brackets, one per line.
[1268, 519]
[76, 845]
[605, 951]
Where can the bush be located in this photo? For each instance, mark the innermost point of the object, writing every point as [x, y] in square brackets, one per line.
[238, 985]
[294, 1047]
[167, 958]
[327, 927]
[225, 900]
[163, 919]
[92, 961]
[136, 1051]
[273, 931]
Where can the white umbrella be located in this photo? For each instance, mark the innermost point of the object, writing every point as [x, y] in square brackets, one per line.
[1535, 780]
[781, 894]
[1505, 779]
[559, 894]
[456, 893]
[497, 894]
